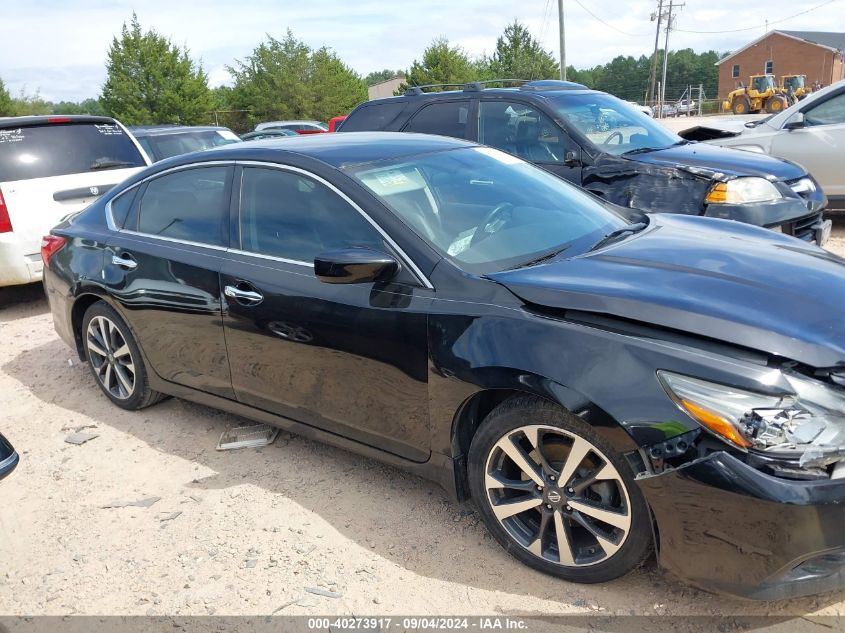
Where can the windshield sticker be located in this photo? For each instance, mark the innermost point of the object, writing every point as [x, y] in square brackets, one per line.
[502, 157]
[11, 136]
[109, 129]
[392, 179]
[229, 136]
[462, 243]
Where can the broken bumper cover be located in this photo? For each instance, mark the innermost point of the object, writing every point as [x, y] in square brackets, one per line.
[799, 215]
[724, 526]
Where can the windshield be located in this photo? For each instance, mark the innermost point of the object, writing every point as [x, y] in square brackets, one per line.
[57, 149]
[763, 83]
[487, 210]
[794, 83]
[610, 124]
[163, 146]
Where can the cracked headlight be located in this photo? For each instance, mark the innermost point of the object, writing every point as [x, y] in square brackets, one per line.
[808, 425]
[743, 191]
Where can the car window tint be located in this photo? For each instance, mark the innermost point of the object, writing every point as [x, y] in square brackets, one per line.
[830, 112]
[374, 117]
[121, 205]
[446, 118]
[288, 215]
[189, 205]
[57, 149]
[521, 130]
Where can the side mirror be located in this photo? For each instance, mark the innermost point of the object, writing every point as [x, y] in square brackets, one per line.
[796, 122]
[354, 266]
[8, 457]
[572, 158]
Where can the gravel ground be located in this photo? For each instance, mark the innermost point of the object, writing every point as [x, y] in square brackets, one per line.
[251, 531]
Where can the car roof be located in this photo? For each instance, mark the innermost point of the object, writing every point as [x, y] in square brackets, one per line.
[28, 121]
[164, 130]
[337, 150]
[540, 88]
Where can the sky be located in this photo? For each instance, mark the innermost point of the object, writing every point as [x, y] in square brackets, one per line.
[58, 47]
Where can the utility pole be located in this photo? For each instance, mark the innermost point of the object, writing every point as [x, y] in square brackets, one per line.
[562, 41]
[670, 18]
[652, 76]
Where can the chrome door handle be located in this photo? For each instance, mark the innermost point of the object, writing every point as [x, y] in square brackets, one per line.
[242, 295]
[124, 262]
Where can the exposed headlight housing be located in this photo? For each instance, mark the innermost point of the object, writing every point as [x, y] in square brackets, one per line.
[743, 191]
[808, 424]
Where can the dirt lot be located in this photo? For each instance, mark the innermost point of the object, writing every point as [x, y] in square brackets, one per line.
[254, 528]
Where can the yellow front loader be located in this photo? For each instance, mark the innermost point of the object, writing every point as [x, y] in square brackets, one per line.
[760, 94]
[794, 87]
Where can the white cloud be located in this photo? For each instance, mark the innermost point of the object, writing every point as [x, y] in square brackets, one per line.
[59, 46]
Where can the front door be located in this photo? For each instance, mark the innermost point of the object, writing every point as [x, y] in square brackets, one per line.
[818, 144]
[163, 267]
[351, 359]
[522, 130]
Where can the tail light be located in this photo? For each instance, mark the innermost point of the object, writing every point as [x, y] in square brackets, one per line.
[5, 221]
[50, 245]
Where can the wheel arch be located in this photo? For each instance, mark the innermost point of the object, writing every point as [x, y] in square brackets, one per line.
[80, 305]
[472, 412]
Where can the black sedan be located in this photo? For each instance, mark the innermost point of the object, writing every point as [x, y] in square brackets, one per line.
[597, 383]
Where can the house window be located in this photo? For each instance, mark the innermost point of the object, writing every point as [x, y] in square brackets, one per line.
[736, 71]
[769, 67]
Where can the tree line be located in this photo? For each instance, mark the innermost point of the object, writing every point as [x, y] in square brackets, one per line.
[151, 80]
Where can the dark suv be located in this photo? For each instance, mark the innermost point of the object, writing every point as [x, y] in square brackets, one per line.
[611, 149]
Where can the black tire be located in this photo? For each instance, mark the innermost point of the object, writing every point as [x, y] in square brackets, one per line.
[776, 104]
[584, 565]
[104, 317]
[741, 105]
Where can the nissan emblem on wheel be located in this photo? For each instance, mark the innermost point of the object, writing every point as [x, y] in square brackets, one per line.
[599, 381]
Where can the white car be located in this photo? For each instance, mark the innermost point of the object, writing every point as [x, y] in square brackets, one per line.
[645, 109]
[51, 166]
[810, 132]
[300, 127]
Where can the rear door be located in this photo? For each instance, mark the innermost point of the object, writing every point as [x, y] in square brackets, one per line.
[50, 170]
[162, 269]
[446, 118]
[351, 359]
[819, 145]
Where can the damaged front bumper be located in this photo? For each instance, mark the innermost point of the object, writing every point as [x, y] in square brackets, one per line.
[725, 526]
[799, 213]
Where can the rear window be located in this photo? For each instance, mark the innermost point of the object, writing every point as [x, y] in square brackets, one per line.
[161, 146]
[57, 149]
[374, 117]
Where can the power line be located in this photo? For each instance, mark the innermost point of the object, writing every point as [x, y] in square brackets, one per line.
[610, 26]
[754, 28]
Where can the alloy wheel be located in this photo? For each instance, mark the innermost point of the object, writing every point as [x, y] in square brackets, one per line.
[557, 495]
[111, 357]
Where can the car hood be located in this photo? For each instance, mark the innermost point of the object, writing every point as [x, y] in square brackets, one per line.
[724, 280]
[723, 160]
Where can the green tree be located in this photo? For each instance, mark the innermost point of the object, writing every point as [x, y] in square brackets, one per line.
[5, 101]
[519, 56]
[30, 104]
[151, 80]
[86, 106]
[441, 63]
[377, 76]
[285, 79]
[335, 87]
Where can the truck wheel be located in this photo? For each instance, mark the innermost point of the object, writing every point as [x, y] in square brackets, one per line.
[741, 106]
[775, 105]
